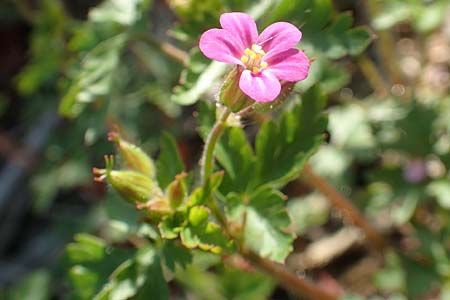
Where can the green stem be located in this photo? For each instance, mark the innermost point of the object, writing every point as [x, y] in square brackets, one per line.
[207, 159]
[286, 278]
[207, 162]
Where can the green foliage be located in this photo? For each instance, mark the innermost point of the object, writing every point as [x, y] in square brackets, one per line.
[264, 220]
[137, 65]
[422, 15]
[169, 163]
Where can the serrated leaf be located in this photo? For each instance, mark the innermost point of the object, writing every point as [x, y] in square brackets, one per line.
[208, 237]
[283, 148]
[95, 76]
[169, 163]
[339, 39]
[139, 278]
[174, 254]
[265, 220]
[236, 156]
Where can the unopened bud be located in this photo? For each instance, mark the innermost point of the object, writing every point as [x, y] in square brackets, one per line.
[132, 186]
[176, 191]
[135, 158]
[156, 209]
[230, 93]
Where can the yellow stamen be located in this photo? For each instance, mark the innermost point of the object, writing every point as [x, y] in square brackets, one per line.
[244, 59]
[255, 70]
[263, 65]
[248, 51]
[253, 55]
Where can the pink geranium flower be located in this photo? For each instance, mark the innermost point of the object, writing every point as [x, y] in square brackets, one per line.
[265, 59]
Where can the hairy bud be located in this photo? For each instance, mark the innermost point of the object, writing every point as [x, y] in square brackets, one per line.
[133, 186]
[135, 158]
[231, 94]
[176, 191]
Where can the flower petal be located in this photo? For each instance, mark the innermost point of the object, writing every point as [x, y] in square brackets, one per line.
[279, 37]
[263, 87]
[242, 26]
[291, 65]
[220, 45]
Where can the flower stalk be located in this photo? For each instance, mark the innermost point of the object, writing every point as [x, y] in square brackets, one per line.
[207, 159]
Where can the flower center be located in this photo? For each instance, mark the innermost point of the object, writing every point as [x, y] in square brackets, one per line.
[252, 59]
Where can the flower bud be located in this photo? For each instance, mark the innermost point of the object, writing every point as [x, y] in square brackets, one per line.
[176, 191]
[156, 209]
[132, 186]
[135, 158]
[230, 93]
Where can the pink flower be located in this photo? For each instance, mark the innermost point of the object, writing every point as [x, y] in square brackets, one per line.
[265, 59]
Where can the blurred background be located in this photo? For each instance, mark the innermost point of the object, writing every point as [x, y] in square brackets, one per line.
[73, 70]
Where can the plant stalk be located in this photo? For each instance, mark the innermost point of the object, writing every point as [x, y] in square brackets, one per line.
[288, 279]
[345, 206]
[207, 159]
[372, 75]
[284, 276]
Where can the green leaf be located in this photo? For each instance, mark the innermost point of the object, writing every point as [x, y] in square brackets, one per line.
[283, 148]
[358, 39]
[206, 236]
[117, 11]
[138, 278]
[94, 79]
[333, 78]
[169, 163]
[236, 156]
[440, 189]
[35, 286]
[91, 262]
[174, 254]
[415, 131]
[265, 219]
[392, 14]
[339, 39]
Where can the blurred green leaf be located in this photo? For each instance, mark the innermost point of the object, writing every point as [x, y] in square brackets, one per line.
[121, 12]
[265, 219]
[95, 77]
[440, 189]
[169, 163]
[35, 286]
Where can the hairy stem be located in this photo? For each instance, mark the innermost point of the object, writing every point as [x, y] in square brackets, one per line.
[345, 206]
[207, 159]
[288, 279]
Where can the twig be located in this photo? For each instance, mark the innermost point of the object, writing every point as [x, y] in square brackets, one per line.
[372, 75]
[288, 279]
[386, 45]
[345, 206]
[165, 47]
